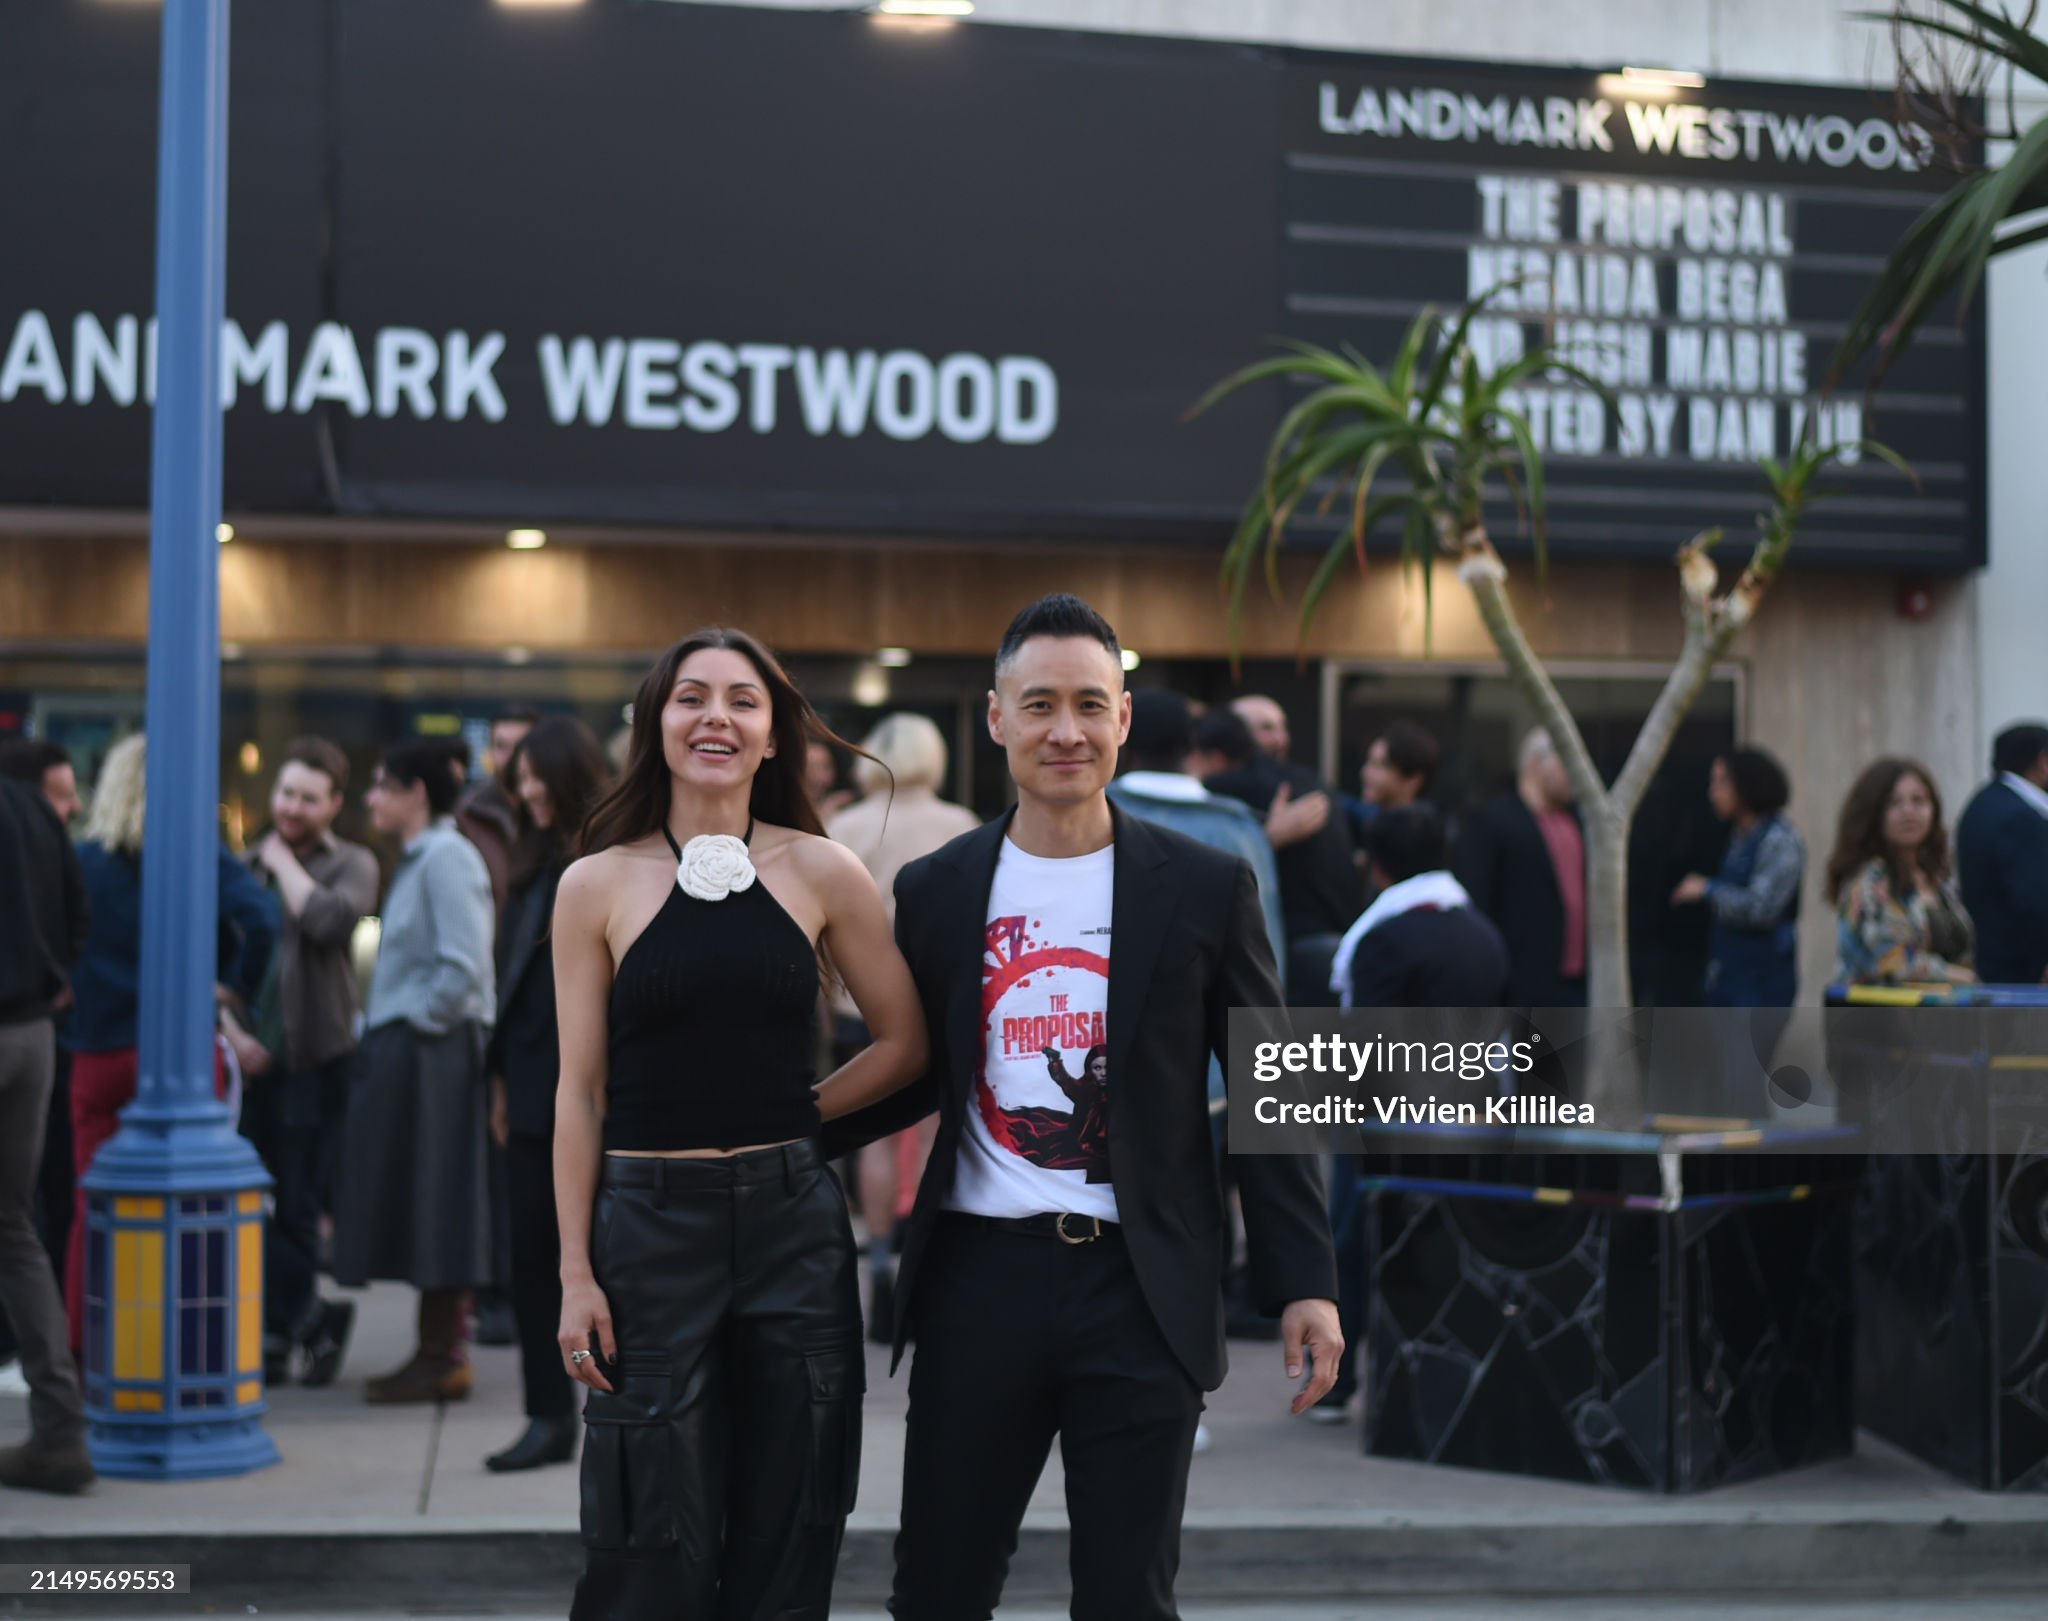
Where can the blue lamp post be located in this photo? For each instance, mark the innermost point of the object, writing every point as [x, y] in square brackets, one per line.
[174, 1293]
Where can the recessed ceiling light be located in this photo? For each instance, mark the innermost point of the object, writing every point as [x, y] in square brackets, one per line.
[924, 8]
[223, 532]
[526, 540]
[892, 658]
[1131, 660]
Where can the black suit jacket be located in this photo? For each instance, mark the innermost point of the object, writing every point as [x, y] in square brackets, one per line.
[1187, 943]
[2002, 864]
[1431, 957]
[42, 897]
[525, 1044]
[1504, 864]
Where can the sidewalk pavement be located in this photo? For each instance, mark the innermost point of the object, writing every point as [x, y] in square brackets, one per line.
[1277, 1507]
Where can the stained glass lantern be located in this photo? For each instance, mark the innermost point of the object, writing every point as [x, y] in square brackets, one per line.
[174, 1333]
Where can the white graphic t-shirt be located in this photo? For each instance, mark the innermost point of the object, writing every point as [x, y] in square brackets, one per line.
[1037, 1135]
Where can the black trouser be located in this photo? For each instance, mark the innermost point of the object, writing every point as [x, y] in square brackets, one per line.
[1019, 1339]
[718, 1474]
[282, 1118]
[537, 1275]
[53, 1186]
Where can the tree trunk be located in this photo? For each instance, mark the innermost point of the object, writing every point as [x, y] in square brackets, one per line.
[1613, 1076]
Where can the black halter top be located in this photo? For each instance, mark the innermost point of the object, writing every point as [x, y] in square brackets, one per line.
[713, 1023]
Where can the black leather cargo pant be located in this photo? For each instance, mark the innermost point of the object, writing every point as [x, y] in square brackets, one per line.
[718, 1475]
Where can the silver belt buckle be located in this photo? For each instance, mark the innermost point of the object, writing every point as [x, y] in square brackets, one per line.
[1060, 1227]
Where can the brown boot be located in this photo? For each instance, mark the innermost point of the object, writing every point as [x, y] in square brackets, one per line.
[437, 1371]
[443, 1314]
[405, 1374]
[32, 1467]
[421, 1380]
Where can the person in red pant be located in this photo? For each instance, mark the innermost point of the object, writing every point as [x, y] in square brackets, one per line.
[108, 974]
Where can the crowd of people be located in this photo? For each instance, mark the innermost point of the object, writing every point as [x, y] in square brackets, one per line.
[535, 1109]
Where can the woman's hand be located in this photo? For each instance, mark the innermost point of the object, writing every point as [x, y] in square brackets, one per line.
[1691, 889]
[501, 1113]
[587, 1325]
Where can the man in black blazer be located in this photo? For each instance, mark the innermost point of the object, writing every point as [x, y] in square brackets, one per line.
[1522, 858]
[1063, 1268]
[2002, 860]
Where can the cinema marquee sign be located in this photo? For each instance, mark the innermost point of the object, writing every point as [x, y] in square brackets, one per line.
[1645, 127]
[708, 386]
[756, 268]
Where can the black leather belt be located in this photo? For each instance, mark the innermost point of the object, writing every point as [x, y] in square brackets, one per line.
[1063, 1225]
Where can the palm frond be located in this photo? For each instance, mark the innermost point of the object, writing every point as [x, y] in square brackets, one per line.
[1945, 251]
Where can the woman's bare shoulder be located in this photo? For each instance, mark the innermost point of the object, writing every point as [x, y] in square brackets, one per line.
[820, 862]
[597, 877]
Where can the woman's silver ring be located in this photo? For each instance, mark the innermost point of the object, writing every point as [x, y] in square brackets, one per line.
[579, 1357]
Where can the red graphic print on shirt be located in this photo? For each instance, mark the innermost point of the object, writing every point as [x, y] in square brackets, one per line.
[1023, 1015]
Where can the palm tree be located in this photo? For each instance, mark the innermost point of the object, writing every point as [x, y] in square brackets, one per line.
[1946, 60]
[1448, 428]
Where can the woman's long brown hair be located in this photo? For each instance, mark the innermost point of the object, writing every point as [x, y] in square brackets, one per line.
[569, 761]
[1859, 835]
[638, 804]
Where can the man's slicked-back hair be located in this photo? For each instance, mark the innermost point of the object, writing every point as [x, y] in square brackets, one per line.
[1060, 614]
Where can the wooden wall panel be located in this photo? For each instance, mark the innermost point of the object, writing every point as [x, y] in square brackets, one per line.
[1837, 676]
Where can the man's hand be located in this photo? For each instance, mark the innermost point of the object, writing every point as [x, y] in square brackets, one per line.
[1311, 1325]
[1289, 821]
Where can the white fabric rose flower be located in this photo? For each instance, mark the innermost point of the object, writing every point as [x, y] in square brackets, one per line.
[714, 865]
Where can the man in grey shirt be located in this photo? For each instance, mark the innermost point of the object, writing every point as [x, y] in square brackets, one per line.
[295, 1059]
[411, 1204]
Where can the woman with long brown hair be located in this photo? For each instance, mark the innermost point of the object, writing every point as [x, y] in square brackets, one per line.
[1900, 916]
[709, 1283]
[557, 772]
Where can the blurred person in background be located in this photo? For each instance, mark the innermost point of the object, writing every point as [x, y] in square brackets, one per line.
[107, 979]
[46, 768]
[1399, 766]
[42, 930]
[899, 818]
[2002, 859]
[296, 1081]
[558, 770]
[1154, 782]
[1521, 856]
[1320, 888]
[821, 779]
[508, 729]
[487, 814]
[484, 812]
[1899, 912]
[411, 1202]
[1753, 946]
[1420, 944]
